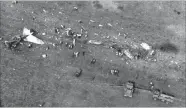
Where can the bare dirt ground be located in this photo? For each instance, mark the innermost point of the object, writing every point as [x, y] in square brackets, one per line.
[28, 79]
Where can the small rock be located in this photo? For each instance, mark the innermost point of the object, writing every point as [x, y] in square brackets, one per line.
[168, 85]
[78, 73]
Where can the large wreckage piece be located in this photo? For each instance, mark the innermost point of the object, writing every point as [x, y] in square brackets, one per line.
[28, 36]
[129, 89]
[159, 95]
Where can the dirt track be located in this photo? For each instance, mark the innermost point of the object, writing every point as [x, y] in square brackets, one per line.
[27, 79]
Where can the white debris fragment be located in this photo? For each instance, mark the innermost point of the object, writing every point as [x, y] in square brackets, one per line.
[30, 37]
[14, 1]
[44, 55]
[100, 25]
[74, 42]
[26, 32]
[43, 33]
[76, 54]
[128, 54]
[94, 42]
[33, 39]
[145, 46]
[109, 24]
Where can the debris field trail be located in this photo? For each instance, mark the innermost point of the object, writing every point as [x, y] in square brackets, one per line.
[44, 75]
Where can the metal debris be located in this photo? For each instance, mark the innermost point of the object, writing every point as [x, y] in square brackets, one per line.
[114, 72]
[128, 54]
[164, 97]
[75, 54]
[1, 38]
[94, 42]
[78, 35]
[78, 73]
[33, 39]
[62, 26]
[14, 43]
[129, 90]
[93, 61]
[74, 42]
[69, 32]
[44, 55]
[119, 53]
[145, 46]
[56, 30]
[70, 46]
[43, 33]
[14, 2]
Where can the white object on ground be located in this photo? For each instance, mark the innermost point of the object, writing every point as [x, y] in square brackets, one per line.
[74, 42]
[26, 32]
[145, 46]
[128, 54]
[33, 39]
[94, 42]
[43, 33]
[44, 55]
[30, 37]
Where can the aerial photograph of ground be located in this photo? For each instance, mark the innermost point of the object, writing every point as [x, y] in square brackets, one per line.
[100, 53]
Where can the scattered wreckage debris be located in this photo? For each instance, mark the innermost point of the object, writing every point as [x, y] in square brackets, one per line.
[27, 36]
[14, 43]
[145, 52]
[69, 45]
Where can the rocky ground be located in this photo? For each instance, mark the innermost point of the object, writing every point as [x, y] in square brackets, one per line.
[45, 75]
